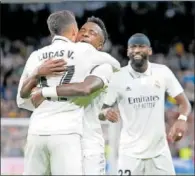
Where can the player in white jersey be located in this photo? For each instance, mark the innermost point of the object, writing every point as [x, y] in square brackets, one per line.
[54, 136]
[139, 90]
[93, 140]
[93, 32]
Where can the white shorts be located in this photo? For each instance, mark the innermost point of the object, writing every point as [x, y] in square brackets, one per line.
[160, 165]
[54, 155]
[94, 164]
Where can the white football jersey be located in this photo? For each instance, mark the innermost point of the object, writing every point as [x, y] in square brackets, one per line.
[140, 98]
[93, 140]
[60, 116]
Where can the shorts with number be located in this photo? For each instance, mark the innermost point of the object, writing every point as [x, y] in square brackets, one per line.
[54, 155]
[159, 165]
[94, 164]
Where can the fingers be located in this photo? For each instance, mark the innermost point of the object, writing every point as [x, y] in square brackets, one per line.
[57, 73]
[171, 134]
[56, 61]
[178, 135]
[175, 134]
[112, 115]
[36, 98]
[59, 64]
[58, 69]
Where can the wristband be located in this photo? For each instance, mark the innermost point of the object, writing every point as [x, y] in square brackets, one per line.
[182, 117]
[49, 92]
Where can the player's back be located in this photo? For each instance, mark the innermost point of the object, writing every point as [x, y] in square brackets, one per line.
[80, 58]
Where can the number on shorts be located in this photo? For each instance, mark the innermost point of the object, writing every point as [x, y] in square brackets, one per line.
[66, 78]
[125, 172]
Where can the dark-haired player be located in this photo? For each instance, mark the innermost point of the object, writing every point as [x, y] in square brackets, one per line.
[93, 32]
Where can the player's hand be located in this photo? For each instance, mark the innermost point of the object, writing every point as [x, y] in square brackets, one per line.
[177, 130]
[52, 67]
[36, 97]
[112, 115]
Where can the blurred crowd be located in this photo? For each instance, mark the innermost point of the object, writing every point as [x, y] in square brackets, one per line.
[14, 53]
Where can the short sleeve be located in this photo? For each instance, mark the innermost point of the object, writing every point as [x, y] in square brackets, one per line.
[31, 64]
[172, 85]
[104, 72]
[112, 91]
[95, 57]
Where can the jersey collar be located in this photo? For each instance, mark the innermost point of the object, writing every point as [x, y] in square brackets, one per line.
[135, 74]
[57, 38]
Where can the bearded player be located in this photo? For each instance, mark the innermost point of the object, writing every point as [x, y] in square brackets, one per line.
[139, 90]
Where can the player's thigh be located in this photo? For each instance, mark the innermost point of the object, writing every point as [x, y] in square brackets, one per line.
[130, 166]
[160, 165]
[36, 156]
[66, 154]
[94, 164]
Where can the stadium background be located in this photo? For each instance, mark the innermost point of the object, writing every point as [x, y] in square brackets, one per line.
[169, 25]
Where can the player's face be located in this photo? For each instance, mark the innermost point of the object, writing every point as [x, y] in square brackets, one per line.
[138, 54]
[91, 33]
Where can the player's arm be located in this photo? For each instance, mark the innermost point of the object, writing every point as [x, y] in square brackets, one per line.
[175, 90]
[96, 80]
[26, 103]
[49, 67]
[109, 111]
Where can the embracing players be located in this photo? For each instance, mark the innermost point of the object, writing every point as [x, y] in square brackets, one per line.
[59, 123]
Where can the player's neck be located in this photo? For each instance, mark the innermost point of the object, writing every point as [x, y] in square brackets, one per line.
[68, 36]
[140, 69]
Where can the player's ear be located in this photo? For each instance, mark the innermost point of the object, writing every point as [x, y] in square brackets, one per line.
[100, 46]
[150, 51]
[74, 31]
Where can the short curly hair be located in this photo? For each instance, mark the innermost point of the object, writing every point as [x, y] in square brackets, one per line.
[101, 24]
[59, 21]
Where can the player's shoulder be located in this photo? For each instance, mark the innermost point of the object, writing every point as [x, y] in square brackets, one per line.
[33, 56]
[159, 67]
[161, 70]
[111, 59]
[44, 49]
[120, 73]
[84, 46]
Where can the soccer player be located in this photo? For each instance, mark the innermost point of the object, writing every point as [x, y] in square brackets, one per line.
[139, 90]
[93, 32]
[54, 135]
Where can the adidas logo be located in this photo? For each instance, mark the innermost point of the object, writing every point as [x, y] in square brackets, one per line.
[128, 89]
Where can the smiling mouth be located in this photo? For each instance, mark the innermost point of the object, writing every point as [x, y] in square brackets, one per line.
[84, 40]
[137, 57]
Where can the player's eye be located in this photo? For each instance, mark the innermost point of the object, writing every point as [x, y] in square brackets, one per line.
[92, 32]
[132, 47]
